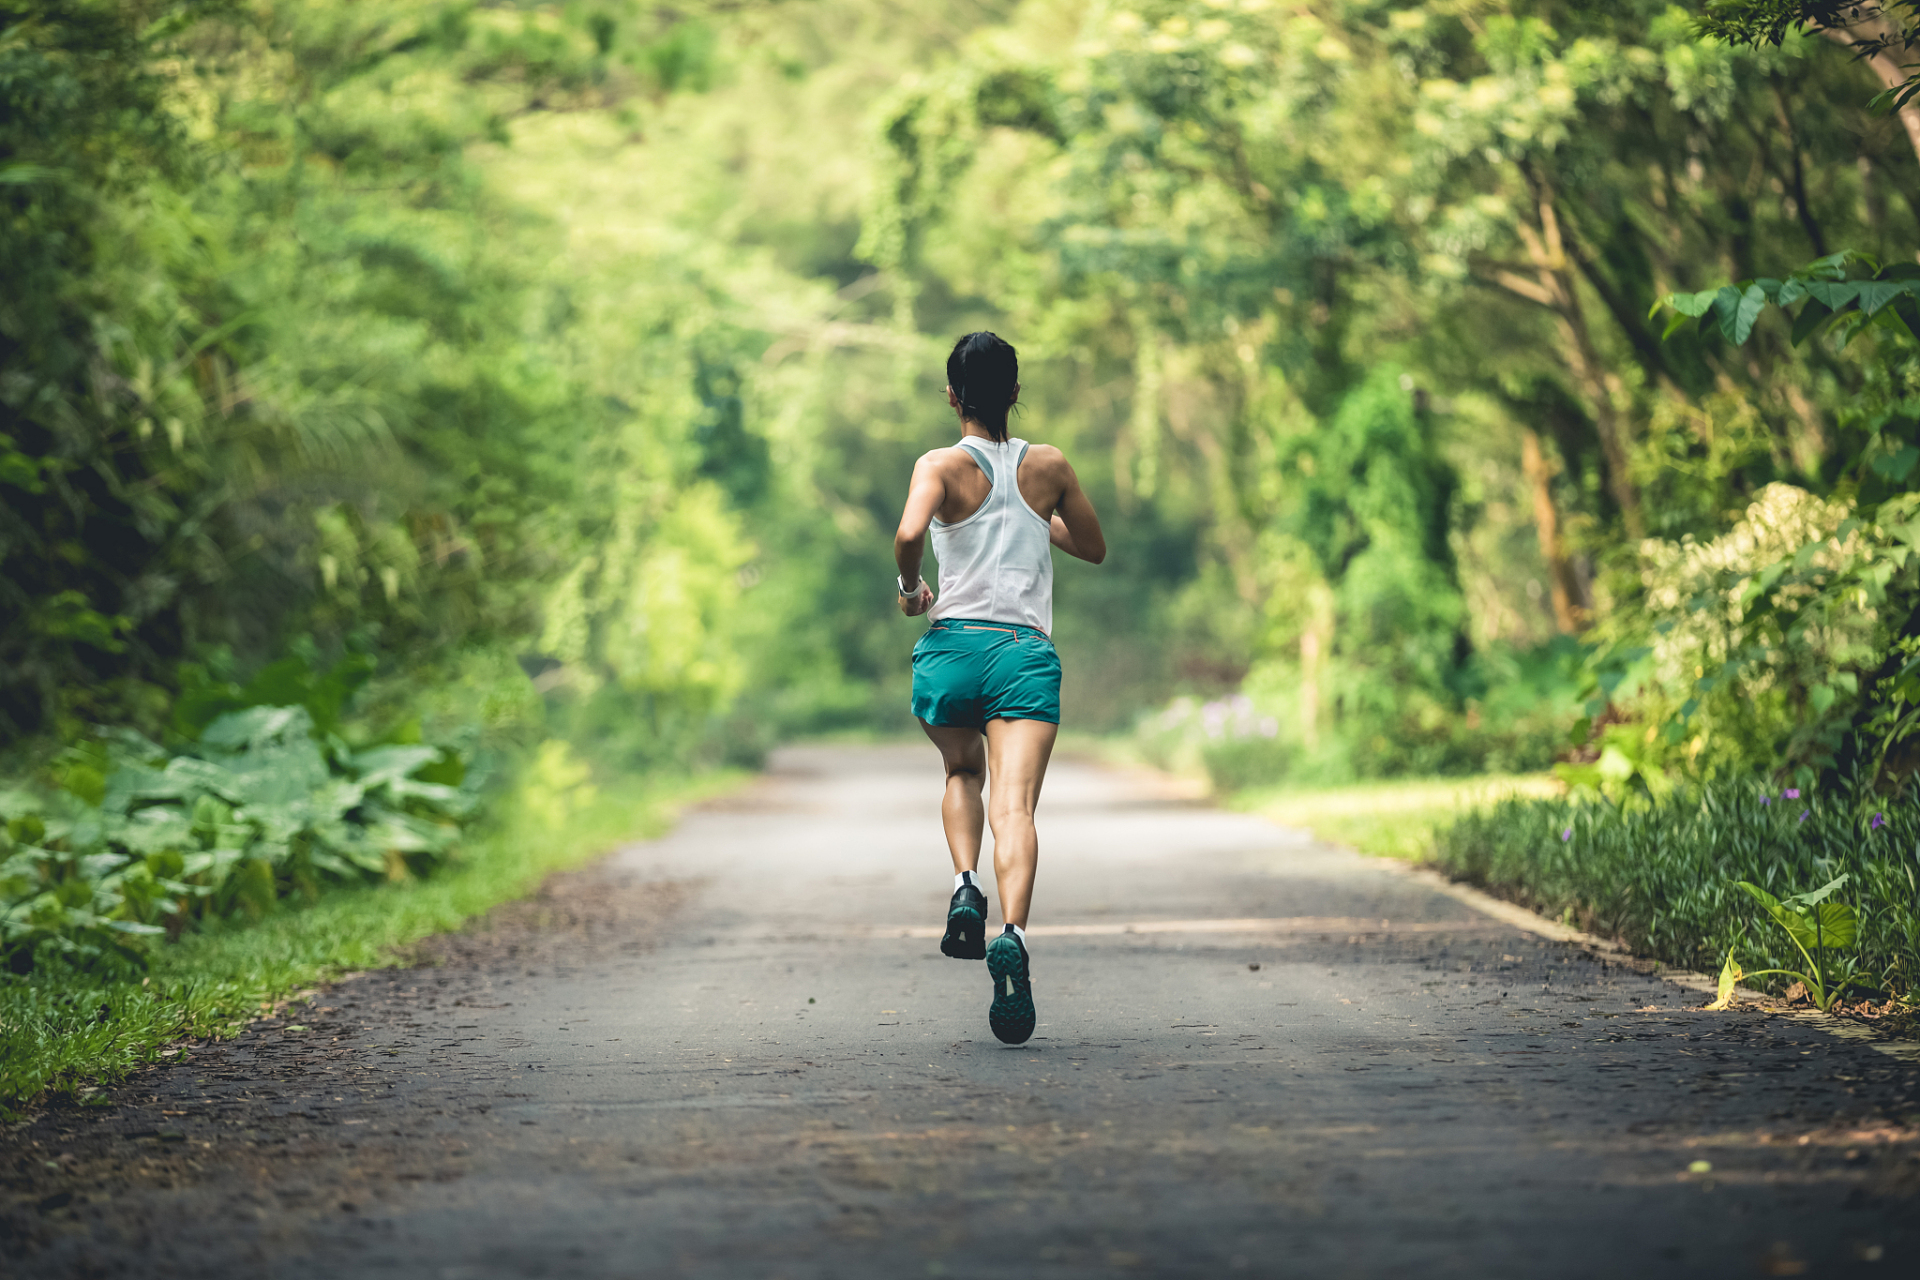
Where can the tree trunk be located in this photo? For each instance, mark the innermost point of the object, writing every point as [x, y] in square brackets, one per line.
[1569, 595]
[1892, 74]
[1598, 383]
[1553, 286]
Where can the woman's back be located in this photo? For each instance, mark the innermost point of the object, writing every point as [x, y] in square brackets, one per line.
[996, 564]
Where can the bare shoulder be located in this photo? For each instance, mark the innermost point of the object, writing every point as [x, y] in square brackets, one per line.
[1049, 461]
[942, 461]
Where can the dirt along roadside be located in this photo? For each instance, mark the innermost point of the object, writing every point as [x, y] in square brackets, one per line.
[734, 1051]
[314, 1115]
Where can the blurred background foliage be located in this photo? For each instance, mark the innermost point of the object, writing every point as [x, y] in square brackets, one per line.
[558, 368]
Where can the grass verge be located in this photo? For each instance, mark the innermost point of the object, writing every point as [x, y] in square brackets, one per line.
[63, 1031]
[1398, 819]
[1661, 876]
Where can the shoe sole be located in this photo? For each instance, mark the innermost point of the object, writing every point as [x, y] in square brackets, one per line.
[1011, 1014]
[966, 935]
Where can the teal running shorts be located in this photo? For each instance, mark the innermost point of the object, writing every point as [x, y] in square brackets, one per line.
[966, 673]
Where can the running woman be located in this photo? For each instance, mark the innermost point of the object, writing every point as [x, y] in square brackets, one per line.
[986, 679]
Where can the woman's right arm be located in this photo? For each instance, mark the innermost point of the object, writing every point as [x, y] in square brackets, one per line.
[924, 496]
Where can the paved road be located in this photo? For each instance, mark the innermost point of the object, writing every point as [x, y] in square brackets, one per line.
[1255, 1054]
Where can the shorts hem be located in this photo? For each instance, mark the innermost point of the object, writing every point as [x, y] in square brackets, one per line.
[981, 723]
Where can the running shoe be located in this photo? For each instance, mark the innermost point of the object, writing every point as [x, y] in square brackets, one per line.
[1011, 1014]
[966, 925]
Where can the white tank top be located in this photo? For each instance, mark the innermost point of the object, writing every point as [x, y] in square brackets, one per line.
[997, 564]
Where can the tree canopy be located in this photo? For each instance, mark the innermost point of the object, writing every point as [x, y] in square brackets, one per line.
[574, 356]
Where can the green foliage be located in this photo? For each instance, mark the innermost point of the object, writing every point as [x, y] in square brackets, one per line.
[63, 1029]
[1395, 819]
[1768, 21]
[1844, 293]
[98, 544]
[135, 841]
[1663, 875]
[300, 366]
[1778, 644]
[1257, 738]
[1877, 29]
[555, 333]
[1816, 927]
[1371, 498]
[473, 340]
[1249, 220]
[1751, 651]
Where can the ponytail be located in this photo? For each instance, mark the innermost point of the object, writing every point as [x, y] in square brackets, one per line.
[984, 372]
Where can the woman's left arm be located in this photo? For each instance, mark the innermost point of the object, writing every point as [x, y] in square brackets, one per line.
[1075, 526]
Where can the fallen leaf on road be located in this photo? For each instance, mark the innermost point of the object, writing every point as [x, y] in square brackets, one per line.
[1781, 1261]
[1730, 976]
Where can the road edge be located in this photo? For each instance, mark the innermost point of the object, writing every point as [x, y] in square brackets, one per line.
[1907, 1051]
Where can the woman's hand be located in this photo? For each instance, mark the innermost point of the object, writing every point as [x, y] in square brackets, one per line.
[917, 603]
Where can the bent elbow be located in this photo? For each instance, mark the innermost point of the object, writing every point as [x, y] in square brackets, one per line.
[1098, 557]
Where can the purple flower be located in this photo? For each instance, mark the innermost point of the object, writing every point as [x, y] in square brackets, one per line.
[1566, 835]
[1766, 799]
[1879, 821]
[1791, 793]
[1804, 813]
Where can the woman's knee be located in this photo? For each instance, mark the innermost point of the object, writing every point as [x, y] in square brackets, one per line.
[1011, 813]
[972, 771]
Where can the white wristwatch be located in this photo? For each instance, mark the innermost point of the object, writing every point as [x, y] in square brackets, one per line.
[905, 590]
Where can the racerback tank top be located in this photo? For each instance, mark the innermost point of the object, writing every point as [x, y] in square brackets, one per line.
[997, 564]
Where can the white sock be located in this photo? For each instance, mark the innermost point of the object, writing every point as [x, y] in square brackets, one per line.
[967, 877]
[1017, 932]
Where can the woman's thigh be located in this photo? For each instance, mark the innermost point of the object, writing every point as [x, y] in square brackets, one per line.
[962, 749]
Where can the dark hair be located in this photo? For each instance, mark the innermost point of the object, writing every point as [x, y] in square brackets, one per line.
[984, 371]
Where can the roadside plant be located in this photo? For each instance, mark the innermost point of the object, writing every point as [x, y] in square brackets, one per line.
[1791, 625]
[1662, 876]
[1817, 928]
[260, 798]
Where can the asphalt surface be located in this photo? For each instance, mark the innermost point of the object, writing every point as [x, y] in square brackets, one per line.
[737, 1052]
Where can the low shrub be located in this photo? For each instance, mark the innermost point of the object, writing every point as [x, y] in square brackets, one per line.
[1253, 740]
[65, 1029]
[1661, 875]
[124, 841]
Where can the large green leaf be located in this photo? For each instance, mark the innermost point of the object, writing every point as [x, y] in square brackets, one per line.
[1737, 309]
[1824, 926]
[1834, 293]
[1814, 896]
[1839, 926]
[1691, 304]
[379, 765]
[1811, 317]
[238, 730]
[1875, 294]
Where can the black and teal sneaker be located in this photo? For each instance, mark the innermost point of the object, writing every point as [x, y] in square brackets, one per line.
[1011, 1014]
[966, 925]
